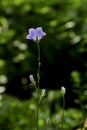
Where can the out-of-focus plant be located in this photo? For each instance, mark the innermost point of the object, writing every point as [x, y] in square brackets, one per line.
[36, 35]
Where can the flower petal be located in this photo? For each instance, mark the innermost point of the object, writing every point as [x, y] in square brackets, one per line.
[28, 37]
[40, 33]
[32, 34]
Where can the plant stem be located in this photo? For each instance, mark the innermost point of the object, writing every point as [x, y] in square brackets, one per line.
[38, 73]
[62, 116]
[38, 82]
[37, 117]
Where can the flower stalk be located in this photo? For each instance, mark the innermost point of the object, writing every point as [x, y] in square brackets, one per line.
[63, 91]
[38, 84]
[36, 35]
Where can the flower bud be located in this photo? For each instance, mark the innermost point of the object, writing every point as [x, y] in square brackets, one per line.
[43, 92]
[48, 121]
[31, 78]
[57, 119]
[63, 90]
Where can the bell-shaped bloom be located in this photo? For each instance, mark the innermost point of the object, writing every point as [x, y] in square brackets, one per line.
[36, 34]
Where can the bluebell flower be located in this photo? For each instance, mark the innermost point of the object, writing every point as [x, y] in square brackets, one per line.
[36, 34]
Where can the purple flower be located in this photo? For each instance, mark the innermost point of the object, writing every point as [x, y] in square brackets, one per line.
[36, 34]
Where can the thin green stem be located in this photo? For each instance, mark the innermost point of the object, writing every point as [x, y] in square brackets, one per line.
[59, 125]
[37, 117]
[38, 73]
[62, 116]
[38, 82]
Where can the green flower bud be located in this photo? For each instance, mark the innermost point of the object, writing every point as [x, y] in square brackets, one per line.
[63, 90]
[31, 78]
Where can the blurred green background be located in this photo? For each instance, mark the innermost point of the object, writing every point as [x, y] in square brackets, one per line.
[63, 62]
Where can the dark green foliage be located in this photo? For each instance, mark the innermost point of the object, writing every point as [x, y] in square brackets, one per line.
[15, 114]
[21, 115]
